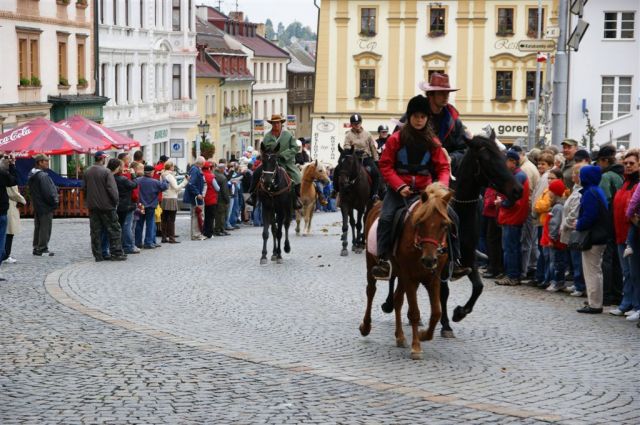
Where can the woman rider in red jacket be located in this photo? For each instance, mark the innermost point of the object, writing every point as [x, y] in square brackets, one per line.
[412, 159]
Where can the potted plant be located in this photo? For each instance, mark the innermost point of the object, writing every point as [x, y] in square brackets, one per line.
[207, 149]
[436, 33]
[63, 82]
[82, 82]
[35, 81]
[25, 82]
[227, 111]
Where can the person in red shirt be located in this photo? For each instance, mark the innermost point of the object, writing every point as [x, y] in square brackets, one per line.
[210, 199]
[412, 159]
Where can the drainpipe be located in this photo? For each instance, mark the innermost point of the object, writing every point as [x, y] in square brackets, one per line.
[96, 58]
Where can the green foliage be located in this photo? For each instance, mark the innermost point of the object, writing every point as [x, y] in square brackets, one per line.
[82, 81]
[207, 149]
[35, 81]
[63, 81]
[25, 82]
[71, 167]
[284, 35]
[268, 30]
[587, 139]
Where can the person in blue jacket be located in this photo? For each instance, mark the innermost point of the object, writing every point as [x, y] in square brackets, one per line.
[594, 217]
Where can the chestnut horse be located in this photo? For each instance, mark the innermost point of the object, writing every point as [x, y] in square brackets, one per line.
[311, 172]
[420, 257]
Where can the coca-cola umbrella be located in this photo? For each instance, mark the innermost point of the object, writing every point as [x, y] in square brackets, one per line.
[93, 129]
[43, 136]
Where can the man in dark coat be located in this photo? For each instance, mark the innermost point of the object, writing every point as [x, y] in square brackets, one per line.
[224, 197]
[44, 198]
[8, 178]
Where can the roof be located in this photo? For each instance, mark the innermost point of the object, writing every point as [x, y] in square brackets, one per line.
[204, 69]
[296, 65]
[261, 46]
[214, 38]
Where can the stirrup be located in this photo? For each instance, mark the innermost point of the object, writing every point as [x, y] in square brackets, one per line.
[382, 270]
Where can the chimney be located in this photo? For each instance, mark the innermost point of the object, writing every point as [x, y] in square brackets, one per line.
[236, 16]
[260, 30]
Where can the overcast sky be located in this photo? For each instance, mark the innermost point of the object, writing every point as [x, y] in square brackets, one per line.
[285, 11]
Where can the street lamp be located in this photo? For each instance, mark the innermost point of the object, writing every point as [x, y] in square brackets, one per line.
[203, 127]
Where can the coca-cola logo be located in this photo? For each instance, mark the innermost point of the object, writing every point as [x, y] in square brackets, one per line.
[15, 135]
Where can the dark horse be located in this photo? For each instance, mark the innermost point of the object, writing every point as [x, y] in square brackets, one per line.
[483, 165]
[354, 196]
[274, 192]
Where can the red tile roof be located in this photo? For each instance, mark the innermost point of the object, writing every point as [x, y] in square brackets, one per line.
[261, 47]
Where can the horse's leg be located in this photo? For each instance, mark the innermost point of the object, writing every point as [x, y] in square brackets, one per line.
[287, 245]
[359, 229]
[398, 300]
[414, 317]
[309, 217]
[477, 286]
[387, 306]
[345, 229]
[352, 222]
[445, 331]
[298, 218]
[266, 223]
[274, 234]
[365, 326]
[279, 253]
[433, 288]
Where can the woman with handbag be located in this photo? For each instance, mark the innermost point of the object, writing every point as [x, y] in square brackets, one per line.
[170, 202]
[594, 227]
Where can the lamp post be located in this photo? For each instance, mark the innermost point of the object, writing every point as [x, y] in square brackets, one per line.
[203, 127]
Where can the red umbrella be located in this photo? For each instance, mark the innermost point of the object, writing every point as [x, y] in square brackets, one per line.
[49, 138]
[93, 129]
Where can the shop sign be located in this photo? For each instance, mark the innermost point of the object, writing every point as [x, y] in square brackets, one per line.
[291, 122]
[160, 134]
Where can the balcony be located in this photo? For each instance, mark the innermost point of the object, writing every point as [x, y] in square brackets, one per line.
[183, 109]
[300, 96]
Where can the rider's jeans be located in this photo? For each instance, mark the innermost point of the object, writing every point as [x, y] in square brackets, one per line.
[391, 203]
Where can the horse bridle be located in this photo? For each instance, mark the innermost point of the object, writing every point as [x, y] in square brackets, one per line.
[278, 171]
[351, 182]
[419, 241]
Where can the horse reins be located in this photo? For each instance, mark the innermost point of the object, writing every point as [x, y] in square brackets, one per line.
[280, 191]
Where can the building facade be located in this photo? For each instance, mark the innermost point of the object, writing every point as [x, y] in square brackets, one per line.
[300, 76]
[372, 55]
[147, 70]
[605, 90]
[266, 61]
[224, 85]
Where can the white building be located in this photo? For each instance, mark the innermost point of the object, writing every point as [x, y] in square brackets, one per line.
[604, 75]
[147, 69]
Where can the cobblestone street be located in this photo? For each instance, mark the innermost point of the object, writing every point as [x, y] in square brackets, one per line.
[200, 332]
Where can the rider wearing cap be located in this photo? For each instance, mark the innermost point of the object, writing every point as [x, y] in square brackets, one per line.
[363, 143]
[412, 159]
[444, 119]
[383, 133]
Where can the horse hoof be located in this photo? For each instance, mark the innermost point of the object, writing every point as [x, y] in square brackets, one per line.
[416, 355]
[274, 258]
[263, 261]
[364, 329]
[344, 253]
[279, 261]
[287, 247]
[458, 314]
[425, 335]
[387, 307]
[401, 343]
[447, 333]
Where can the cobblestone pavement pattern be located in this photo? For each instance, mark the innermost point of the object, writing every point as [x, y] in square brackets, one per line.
[200, 332]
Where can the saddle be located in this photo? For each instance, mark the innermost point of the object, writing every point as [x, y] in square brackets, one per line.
[397, 226]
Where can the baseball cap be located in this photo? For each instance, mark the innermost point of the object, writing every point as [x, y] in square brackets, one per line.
[40, 157]
[100, 155]
[164, 158]
[582, 155]
[571, 142]
[148, 169]
[557, 187]
[511, 154]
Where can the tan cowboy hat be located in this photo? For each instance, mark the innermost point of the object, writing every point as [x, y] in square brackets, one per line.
[276, 118]
[437, 82]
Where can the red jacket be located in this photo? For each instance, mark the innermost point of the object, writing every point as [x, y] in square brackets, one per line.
[515, 214]
[396, 181]
[489, 208]
[620, 204]
[211, 195]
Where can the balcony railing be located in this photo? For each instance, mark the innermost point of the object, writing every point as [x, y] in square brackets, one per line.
[183, 108]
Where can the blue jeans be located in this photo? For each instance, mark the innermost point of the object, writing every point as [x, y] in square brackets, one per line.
[629, 283]
[126, 223]
[257, 214]
[559, 265]
[147, 222]
[511, 236]
[541, 265]
[634, 272]
[104, 242]
[3, 234]
[578, 277]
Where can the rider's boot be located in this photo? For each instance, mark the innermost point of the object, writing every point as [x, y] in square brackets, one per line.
[382, 270]
[252, 199]
[459, 270]
[297, 192]
[321, 198]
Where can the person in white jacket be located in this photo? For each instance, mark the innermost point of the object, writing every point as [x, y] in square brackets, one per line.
[570, 213]
[170, 202]
[13, 221]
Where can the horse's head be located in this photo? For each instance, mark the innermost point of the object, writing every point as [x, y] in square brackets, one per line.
[431, 222]
[491, 167]
[318, 171]
[269, 163]
[349, 167]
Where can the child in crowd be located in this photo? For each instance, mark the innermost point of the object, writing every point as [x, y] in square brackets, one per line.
[569, 216]
[558, 249]
[542, 207]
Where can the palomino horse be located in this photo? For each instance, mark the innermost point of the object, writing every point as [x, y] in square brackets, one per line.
[311, 171]
[354, 196]
[483, 165]
[420, 257]
[274, 192]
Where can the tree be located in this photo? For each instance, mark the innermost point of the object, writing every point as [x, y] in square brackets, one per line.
[280, 30]
[268, 30]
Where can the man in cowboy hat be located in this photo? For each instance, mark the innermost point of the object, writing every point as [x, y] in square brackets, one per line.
[444, 118]
[287, 157]
[362, 141]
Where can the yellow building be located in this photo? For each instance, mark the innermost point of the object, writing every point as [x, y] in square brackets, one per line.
[372, 55]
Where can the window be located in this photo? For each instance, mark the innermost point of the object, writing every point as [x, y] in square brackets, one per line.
[281, 105]
[255, 109]
[531, 84]
[159, 89]
[103, 79]
[206, 104]
[264, 107]
[273, 106]
[281, 73]
[141, 13]
[81, 59]
[505, 21]
[268, 72]
[28, 57]
[616, 97]
[126, 12]
[619, 25]
[436, 20]
[190, 14]
[115, 13]
[255, 71]
[226, 103]
[261, 72]
[129, 83]
[213, 104]
[102, 11]
[504, 85]
[62, 63]
[143, 81]
[175, 15]
[190, 81]
[623, 142]
[532, 22]
[368, 21]
[367, 83]
[176, 81]
[117, 84]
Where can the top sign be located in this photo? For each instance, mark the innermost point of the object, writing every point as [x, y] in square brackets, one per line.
[536, 45]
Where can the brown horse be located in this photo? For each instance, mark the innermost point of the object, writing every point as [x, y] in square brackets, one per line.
[419, 258]
[311, 172]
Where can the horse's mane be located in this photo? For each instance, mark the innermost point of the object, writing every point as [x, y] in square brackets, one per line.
[435, 204]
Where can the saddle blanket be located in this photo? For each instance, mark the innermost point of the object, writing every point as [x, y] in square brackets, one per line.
[372, 236]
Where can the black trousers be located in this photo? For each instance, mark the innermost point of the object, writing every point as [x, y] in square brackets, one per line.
[209, 215]
[42, 224]
[107, 220]
[220, 217]
[8, 242]
[494, 245]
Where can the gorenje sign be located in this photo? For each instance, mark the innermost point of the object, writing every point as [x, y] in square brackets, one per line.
[536, 45]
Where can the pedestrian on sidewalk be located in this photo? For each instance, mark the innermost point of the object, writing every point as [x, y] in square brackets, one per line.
[126, 206]
[223, 200]
[149, 190]
[210, 199]
[194, 196]
[102, 201]
[8, 180]
[170, 201]
[44, 199]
